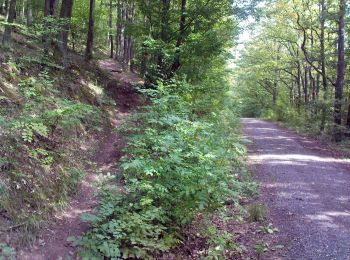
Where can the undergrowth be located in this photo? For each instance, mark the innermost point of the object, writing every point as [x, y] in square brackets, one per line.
[41, 130]
[177, 164]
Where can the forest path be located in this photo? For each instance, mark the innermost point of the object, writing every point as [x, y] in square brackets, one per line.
[52, 243]
[306, 188]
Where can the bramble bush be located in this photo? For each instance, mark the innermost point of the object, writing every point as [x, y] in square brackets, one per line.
[176, 165]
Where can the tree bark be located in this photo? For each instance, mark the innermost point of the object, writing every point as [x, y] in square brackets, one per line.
[299, 85]
[90, 35]
[110, 35]
[10, 19]
[306, 85]
[49, 11]
[50, 7]
[118, 36]
[323, 66]
[66, 14]
[339, 84]
[348, 118]
[126, 40]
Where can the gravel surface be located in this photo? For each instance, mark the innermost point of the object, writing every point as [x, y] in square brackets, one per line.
[307, 190]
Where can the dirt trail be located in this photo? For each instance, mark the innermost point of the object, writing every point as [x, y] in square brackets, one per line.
[53, 244]
[307, 190]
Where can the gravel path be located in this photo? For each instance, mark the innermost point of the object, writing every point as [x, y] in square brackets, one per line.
[306, 188]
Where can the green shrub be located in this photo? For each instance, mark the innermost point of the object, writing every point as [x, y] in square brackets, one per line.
[176, 165]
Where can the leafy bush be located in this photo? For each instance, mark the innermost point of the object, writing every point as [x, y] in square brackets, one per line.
[176, 165]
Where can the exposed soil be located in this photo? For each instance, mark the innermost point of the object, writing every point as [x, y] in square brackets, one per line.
[52, 243]
[306, 188]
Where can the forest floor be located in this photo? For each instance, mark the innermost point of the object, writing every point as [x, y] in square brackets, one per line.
[306, 188]
[52, 242]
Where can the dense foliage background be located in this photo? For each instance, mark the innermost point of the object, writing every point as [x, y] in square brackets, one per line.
[294, 67]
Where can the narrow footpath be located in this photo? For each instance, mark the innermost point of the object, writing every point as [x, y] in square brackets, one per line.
[52, 243]
[306, 188]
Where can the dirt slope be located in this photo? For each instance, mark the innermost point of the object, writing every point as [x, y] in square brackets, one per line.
[307, 189]
[53, 243]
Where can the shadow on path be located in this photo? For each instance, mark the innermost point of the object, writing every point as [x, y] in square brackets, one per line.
[306, 188]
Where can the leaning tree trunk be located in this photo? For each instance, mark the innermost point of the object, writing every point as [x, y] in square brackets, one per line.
[90, 35]
[339, 84]
[10, 19]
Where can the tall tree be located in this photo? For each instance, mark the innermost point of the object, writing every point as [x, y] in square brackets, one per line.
[11, 14]
[339, 84]
[29, 12]
[323, 63]
[90, 35]
[164, 34]
[49, 12]
[65, 15]
[49, 7]
[119, 25]
[110, 34]
[176, 63]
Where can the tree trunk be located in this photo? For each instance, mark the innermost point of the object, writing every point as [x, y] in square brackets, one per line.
[339, 84]
[164, 32]
[29, 12]
[22, 11]
[131, 55]
[90, 35]
[10, 19]
[348, 118]
[74, 39]
[49, 11]
[50, 7]
[299, 86]
[2, 7]
[6, 6]
[118, 36]
[274, 93]
[66, 14]
[306, 85]
[126, 41]
[176, 63]
[110, 35]
[323, 66]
